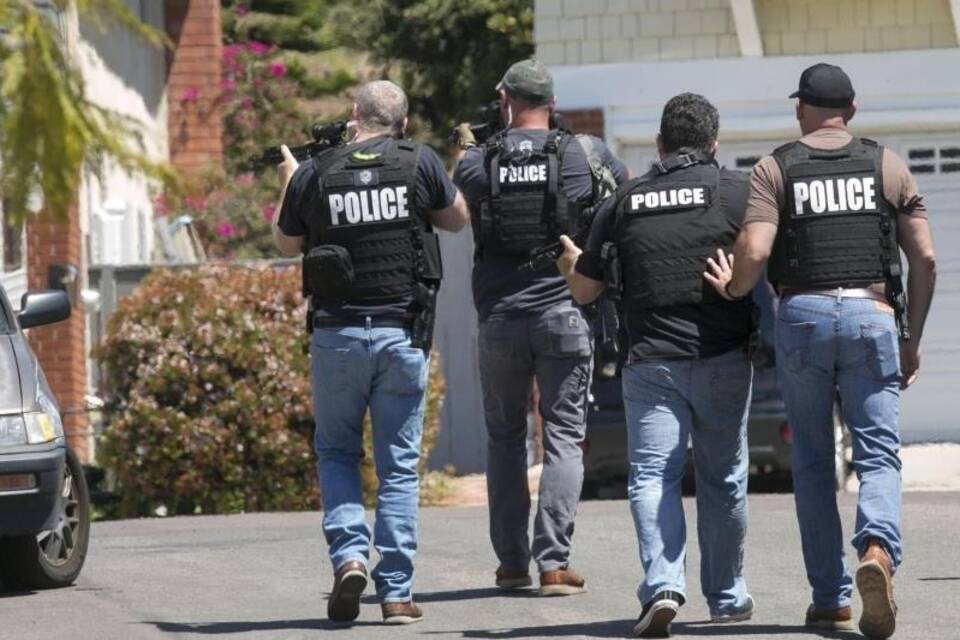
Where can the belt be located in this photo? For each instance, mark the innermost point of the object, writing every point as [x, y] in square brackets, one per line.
[374, 323]
[839, 292]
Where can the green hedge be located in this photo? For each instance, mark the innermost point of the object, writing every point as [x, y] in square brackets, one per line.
[210, 402]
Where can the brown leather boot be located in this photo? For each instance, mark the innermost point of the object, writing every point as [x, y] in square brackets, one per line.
[561, 582]
[401, 613]
[513, 578]
[839, 619]
[875, 584]
[348, 584]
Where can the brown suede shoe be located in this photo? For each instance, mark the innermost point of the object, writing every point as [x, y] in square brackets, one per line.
[401, 613]
[348, 583]
[513, 578]
[840, 619]
[875, 584]
[562, 582]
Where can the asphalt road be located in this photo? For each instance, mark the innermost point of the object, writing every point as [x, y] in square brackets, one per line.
[266, 576]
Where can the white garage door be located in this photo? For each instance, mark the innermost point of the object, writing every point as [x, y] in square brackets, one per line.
[929, 410]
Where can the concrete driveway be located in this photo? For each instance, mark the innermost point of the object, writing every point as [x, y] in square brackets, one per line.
[266, 576]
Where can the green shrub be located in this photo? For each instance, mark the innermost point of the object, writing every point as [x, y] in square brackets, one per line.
[210, 407]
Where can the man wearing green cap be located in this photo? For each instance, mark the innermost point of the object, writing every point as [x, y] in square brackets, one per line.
[526, 186]
[832, 213]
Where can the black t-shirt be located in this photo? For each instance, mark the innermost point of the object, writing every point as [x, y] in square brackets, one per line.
[500, 287]
[679, 331]
[435, 191]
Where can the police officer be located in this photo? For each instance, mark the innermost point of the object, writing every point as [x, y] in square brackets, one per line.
[832, 212]
[363, 215]
[688, 373]
[525, 187]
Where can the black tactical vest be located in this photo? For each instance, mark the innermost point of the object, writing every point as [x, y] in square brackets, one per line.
[526, 207]
[667, 223]
[836, 228]
[368, 206]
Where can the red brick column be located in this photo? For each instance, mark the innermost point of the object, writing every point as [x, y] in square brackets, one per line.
[585, 121]
[61, 347]
[193, 83]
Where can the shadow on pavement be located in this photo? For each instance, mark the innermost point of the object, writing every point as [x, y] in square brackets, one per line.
[215, 628]
[603, 629]
[705, 628]
[461, 594]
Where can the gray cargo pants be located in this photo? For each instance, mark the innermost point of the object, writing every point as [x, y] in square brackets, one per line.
[556, 346]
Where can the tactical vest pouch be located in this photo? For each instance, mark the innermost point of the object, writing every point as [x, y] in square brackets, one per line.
[328, 272]
[431, 266]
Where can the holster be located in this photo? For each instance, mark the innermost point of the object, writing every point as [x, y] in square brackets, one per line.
[612, 272]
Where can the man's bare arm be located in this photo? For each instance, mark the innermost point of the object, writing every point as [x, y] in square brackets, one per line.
[917, 243]
[288, 246]
[453, 218]
[736, 277]
[583, 289]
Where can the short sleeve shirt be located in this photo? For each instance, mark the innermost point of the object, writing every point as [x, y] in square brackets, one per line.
[434, 191]
[501, 288]
[682, 331]
[767, 186]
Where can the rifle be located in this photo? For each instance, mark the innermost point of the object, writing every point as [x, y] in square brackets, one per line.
[324, 137]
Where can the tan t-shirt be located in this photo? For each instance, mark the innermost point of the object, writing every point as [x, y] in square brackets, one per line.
[766, 182]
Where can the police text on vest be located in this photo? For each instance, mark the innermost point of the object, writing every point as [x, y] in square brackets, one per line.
[372, 205]
[669, 199]
[523, 174]
[835, 195]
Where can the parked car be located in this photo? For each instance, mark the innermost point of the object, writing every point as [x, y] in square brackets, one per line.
[44, 502]
[768, 433]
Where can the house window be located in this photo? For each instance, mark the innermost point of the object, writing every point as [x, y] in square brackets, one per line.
[934, 160]
[12, 246]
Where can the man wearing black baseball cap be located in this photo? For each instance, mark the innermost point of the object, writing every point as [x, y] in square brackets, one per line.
[832, 212]
[525, 186]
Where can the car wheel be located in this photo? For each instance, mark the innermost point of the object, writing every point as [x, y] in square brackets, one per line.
[53, 558]
[841, 450]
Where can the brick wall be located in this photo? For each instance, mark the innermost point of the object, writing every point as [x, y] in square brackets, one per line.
[193, 83]
[584, 121]
[791, 27]
[594, 31]
[60, 347]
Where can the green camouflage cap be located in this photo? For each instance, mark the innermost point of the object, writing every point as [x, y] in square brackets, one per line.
[528, 80]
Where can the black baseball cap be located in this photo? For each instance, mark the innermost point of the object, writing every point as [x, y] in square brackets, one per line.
[825, 85]
[528, 80]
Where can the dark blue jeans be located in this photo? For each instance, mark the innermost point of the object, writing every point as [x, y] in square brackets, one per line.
[847, 346]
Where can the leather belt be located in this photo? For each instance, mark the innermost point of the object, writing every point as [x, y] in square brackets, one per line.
[375, 323]
[839, 292]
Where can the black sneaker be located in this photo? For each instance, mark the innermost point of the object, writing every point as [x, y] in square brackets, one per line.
[655, 619]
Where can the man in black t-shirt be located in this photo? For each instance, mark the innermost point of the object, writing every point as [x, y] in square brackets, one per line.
[363, 215]
[688, 374]
[523, 187]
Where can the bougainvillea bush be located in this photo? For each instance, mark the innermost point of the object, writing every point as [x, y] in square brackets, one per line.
[210, 404]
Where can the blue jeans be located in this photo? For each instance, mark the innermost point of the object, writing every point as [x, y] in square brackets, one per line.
[848, 346]
[354, 368]
[667, 402]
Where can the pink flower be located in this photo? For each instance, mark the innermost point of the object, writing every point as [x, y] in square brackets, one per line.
[226, 230]
[278, 70]
[247, 103]
[231, 51]
[240, 11]
[190, 94]
[267, 211]
[195, 203]
[160, 206]
[258, 48]
[245, 180]
[228, 84]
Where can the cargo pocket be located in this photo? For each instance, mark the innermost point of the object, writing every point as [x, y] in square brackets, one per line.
[570, 333]
[406, 371]
[793, 340]
[882, 350]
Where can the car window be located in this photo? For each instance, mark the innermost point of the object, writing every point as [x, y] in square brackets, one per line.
[6, 315]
